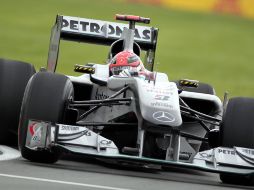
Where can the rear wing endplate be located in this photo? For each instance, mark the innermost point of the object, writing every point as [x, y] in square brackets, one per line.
[98, 32]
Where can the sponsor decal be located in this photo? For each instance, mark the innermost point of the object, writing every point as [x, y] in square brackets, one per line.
[105, 142]
[185, 155]
[205, 155]
[162, 104]
[32, 128]
[248, 151]
[245, 153]
[161, 97]
[36, 138]
[86, 133]
[163, 116]
[69, 128]
[158, 90]
[100, 95]
[226, 151]
[35, 129]
[98, 27]
[73, 136]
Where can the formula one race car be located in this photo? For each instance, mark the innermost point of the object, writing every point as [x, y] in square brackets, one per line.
[126, 112]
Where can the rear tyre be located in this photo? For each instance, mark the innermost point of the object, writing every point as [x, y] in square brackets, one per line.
[237, 129]
[45, 99]
[14, 76]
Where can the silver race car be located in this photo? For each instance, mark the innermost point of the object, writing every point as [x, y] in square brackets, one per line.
[125, 112]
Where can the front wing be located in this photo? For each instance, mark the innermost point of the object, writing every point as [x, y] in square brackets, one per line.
[82, 140]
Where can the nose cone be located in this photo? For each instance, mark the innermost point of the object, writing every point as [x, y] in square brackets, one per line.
[163, 116]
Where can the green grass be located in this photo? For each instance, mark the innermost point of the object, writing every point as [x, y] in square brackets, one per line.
[211, 48]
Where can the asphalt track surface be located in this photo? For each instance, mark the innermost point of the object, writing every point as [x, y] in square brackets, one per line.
[76, 173]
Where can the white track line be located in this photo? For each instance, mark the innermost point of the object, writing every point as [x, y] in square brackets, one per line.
[8, 153]
[61, 182]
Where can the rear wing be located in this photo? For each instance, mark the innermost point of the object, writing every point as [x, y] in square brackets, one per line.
[98, 32]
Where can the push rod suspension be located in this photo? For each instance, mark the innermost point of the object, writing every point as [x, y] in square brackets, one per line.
[98, 106]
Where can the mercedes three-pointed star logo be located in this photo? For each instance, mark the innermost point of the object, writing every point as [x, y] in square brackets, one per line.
[163, 116]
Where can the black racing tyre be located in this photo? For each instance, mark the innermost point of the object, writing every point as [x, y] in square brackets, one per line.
[202, 88]
[45, 99]
[14, 76]
[237, 179]
[237, 129]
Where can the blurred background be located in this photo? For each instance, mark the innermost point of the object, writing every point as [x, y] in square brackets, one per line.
[208, 40]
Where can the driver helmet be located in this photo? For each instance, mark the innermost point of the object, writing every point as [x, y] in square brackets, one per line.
[125, 60]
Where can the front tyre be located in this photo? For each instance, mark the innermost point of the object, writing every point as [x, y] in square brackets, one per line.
[237, 129]
[45, 99]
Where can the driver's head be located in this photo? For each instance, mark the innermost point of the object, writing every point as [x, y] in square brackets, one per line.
[125, 60]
